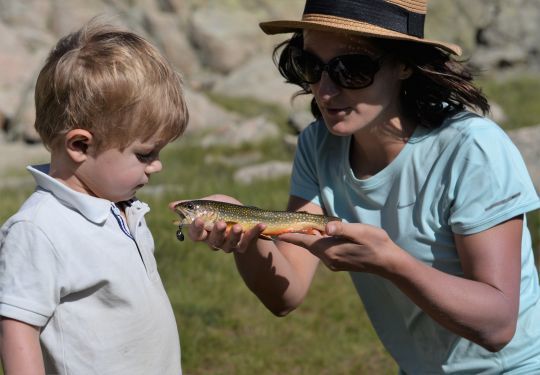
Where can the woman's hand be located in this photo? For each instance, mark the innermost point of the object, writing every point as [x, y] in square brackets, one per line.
[349, 247]
[219, 237]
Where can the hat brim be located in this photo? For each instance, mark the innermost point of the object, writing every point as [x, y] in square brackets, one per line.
[332, 23]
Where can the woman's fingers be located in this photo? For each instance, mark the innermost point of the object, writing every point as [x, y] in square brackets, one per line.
[196, 230]
[216, 237]
[232, 239]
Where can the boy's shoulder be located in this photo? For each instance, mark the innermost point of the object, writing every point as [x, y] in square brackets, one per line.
[39, 208]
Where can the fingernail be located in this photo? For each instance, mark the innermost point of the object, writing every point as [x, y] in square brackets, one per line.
[330, 229]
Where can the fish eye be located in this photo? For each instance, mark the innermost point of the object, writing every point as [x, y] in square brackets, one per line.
[190, 206]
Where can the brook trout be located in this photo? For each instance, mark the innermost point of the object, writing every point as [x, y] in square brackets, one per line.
[277, 222]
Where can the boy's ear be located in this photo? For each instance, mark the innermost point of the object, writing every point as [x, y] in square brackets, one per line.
[77, 142]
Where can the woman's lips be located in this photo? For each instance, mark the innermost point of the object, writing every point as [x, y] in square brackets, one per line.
[337, 111]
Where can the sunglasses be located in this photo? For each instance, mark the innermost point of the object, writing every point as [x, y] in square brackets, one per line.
[353, 71]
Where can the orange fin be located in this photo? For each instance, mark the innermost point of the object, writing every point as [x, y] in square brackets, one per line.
[265, 237]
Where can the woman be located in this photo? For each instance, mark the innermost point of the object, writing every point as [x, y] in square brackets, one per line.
[433, 197]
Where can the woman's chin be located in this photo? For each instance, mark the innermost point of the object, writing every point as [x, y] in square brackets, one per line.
[339, 128]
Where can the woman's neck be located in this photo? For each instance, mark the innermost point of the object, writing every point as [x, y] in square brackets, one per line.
[374, 147]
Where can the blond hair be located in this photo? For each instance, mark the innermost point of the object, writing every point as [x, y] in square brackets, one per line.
[114, 84]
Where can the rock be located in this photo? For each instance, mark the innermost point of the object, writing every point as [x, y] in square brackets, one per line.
[299, 120]
[164, 28]
[259, 79]
[527, 140]
[225, 38]
[204, 115]
[290, 142]
[238, 160]
[265, 171]
[253, 131]
[17, 68]
[497, 113]
[458, 21]
[68, 16]
[27, 13]
[219, 48]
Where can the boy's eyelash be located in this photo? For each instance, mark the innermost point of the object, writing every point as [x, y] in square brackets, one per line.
[146, 157]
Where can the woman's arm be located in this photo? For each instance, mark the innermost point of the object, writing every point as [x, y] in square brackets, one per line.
[20, 350]
[482, 306]
[278, 273]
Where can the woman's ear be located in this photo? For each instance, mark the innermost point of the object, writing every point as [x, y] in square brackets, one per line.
[77, 142]
[404, 71]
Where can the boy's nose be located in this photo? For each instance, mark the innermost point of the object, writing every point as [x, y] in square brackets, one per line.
[154, 167]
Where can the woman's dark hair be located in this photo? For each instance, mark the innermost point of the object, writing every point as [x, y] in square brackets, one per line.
[438, 87]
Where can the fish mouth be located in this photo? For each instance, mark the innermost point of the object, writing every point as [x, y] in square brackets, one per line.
[183, 214]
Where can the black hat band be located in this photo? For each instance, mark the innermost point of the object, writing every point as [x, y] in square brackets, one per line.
[375, 12]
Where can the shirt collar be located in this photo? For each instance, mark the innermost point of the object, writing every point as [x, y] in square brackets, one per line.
[94, 209]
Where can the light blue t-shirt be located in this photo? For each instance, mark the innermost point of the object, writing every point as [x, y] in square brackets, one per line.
[463, 177]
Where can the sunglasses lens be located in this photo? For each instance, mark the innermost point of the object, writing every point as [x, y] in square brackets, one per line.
[348, 71]
[307, 66]
[353, 71]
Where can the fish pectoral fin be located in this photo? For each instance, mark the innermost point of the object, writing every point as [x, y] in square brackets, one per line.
[265, 237]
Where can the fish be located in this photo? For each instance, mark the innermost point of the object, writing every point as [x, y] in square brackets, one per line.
[277, 222]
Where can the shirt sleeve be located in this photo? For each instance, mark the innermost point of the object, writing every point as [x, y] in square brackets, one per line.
[29, 274]
[304, 181]
[491, 183]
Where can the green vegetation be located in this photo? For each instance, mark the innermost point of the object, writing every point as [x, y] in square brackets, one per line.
[224, 329]
[519, 97]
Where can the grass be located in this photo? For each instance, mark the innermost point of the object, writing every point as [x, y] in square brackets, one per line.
[519, 97]
[224, 329]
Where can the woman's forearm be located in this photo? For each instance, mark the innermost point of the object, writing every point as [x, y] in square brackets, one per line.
[472, 309]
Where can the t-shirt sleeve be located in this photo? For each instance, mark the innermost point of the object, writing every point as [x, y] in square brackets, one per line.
[491, 183]
[304, 181]
[29, 269]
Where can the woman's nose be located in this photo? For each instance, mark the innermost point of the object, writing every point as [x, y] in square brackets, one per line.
[326, 88]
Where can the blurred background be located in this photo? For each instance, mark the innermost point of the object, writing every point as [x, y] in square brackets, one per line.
[240, 141]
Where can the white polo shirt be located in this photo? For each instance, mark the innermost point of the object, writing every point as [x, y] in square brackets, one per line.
[70, 265]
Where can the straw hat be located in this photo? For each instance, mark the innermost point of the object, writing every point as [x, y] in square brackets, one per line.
[391, 19]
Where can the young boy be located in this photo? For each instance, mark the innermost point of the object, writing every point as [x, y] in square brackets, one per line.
[79, 288]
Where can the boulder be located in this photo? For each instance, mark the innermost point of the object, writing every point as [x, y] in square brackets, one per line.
[527, 140]
[259, 79]
[264, 171]
[252, 131]
[204, 115]
[225, 38]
